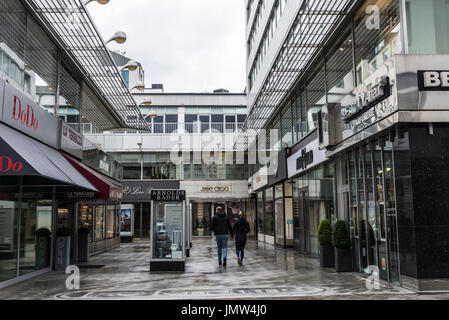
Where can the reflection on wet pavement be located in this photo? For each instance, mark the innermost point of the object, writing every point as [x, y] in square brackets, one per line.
[267, 272]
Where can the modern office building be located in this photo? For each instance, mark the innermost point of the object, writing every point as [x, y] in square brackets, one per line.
[52, 180]
[358, 92]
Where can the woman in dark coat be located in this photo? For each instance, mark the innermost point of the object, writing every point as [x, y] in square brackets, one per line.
[240, 229]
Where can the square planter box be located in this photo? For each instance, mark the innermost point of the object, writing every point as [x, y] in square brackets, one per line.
[343, 260]
[327, 259]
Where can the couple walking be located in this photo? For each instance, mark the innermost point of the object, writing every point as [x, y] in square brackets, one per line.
[222, 228]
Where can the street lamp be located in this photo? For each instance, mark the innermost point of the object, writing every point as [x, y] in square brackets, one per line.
[140, 85]
[146, 103]
[99, 1]
[119, 37]
[131, 66]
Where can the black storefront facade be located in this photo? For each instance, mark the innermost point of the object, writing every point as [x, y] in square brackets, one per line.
[380, 113]
[135, 219]
[391, 158]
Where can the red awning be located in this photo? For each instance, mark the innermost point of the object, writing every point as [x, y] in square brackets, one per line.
[106, 188]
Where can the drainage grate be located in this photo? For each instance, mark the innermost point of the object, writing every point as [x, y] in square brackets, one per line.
[91, 266]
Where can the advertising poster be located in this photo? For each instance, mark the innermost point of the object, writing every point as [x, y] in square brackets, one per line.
[126, 222]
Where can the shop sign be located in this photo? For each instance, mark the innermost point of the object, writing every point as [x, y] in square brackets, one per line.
[137, 191]
[433, 80]
[260, 179]
[377, 101]
[79, 195]
[71, 141]
[9, 165]
[216, 189]
[21, 113]
[304, 160]
[309, 156]
[365, 99]
[168, 195]
[104, 166]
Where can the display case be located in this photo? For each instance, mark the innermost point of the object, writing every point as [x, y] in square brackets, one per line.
[168, 230]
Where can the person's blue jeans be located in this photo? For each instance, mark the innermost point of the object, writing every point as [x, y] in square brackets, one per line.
[240, 248]
[222, 246]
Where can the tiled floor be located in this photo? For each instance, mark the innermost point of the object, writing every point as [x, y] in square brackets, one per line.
[267, 273]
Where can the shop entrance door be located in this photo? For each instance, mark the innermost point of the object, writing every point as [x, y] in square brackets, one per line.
[202, 216]
[300, 223]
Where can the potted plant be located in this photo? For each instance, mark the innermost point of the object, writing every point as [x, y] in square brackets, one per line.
[83, 244]
[42, 248]
[62, 256]
[342, 244]
[326, 248]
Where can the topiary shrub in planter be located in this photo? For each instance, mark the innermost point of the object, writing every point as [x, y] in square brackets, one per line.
[83, 244]
[42, 248]
[342, 243]
[327, 259]
[62, 256]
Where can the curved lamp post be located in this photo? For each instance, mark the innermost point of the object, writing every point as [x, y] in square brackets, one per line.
[140, 85]
[99, 1]
[131, 66]
[119, 37]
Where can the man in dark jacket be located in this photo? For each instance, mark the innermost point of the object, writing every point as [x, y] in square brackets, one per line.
[241, 228]
[221, 226]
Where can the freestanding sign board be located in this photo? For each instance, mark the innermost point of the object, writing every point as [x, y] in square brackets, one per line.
[168, 235]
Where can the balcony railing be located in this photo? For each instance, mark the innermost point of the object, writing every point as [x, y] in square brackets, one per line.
[212, 127]
[167, 128]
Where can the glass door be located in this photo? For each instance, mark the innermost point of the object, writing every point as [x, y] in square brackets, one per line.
[370, 208]
[380, 212]
[303, 221]
[390, 211]
[353, 211]
[362, 213]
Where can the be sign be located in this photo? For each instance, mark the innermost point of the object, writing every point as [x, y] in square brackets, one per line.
[433, 80]
[8, 165]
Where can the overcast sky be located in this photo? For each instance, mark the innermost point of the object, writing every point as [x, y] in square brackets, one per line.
[188, 45]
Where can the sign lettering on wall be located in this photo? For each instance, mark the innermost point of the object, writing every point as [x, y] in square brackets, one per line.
[306, 158]
[433, 80]
[363, 100]
[168, 195]
[215, 189]
[23, 114]
[71, 141]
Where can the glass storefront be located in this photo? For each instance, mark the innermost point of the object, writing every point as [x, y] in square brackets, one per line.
[102, 220]
[313, 201]
[372, 209]
[9, 217]
[25, 228]
[268, 222]
[279, 214]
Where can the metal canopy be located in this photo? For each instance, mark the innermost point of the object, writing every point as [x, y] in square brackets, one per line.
[72, 26]
[315, 21]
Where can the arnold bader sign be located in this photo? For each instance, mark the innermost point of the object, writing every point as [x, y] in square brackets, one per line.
[168, 195]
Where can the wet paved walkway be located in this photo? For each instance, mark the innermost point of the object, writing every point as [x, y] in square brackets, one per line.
[266, 273]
